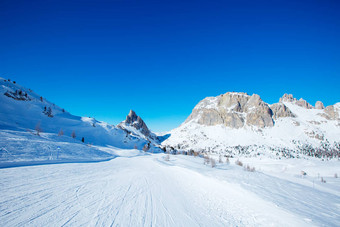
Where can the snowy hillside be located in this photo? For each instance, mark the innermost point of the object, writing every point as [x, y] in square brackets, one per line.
[239, 124]
[34, 129]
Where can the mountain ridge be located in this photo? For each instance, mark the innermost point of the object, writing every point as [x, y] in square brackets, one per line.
[221, 123]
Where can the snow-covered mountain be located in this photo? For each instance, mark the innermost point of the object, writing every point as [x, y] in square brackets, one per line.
[237, 123]
[25, 114]
[134, 125]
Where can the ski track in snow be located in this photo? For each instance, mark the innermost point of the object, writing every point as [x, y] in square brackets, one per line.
[148, 191]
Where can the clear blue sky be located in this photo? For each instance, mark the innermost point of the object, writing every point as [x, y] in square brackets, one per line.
[159, 58]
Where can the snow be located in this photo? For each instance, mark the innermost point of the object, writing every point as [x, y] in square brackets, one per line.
[146, 190]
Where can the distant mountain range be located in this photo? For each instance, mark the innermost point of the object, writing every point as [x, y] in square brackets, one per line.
[240, 124]
[229, 124]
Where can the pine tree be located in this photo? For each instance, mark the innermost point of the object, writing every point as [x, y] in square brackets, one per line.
[61, 132]
[38, 128]
[146, 147]
[49, 112]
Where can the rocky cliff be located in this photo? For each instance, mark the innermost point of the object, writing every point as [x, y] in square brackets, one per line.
[238, 119]
[235, 110]
[134, 124]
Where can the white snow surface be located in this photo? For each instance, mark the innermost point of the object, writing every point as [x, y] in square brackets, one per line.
[145, 190]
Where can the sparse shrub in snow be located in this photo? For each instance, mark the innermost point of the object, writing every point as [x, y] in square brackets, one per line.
[206, 159]
[249, 169]
[239, 163]
[48, 111]
[61, 132]
[38, 128]
[73, 134]
[213, 163]
[18, 95]
[146, 147]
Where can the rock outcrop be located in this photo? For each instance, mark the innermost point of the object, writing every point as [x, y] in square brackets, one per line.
[287, 98]
[319, 105]
[331, 113]
[301, 102]
[233, 110]
[136, 122]
[281, 110]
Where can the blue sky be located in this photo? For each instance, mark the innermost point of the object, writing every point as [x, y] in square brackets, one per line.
[159, 58]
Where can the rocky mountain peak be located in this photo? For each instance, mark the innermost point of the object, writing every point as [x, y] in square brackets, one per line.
[301, 102]
[131, 117]
[136, 122]
[233, 110]
[319, 105]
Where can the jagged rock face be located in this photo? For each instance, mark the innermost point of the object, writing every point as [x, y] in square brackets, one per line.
[281, 110]
[319, 105]
[301, 102]
[233, 110]
[210, 117]
[135, 121]
[287, 98]
[331, 113]
[131, 117]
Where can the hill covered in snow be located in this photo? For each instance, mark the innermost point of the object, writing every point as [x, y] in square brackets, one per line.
[35, 129]
[241, 124]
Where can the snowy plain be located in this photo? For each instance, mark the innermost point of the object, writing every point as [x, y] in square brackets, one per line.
[143, 189]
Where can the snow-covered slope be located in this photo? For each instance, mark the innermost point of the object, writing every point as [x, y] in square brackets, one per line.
[146, 190]
[24, 114]
[237, 123]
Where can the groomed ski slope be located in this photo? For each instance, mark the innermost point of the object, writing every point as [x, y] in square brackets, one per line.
[145, 190]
